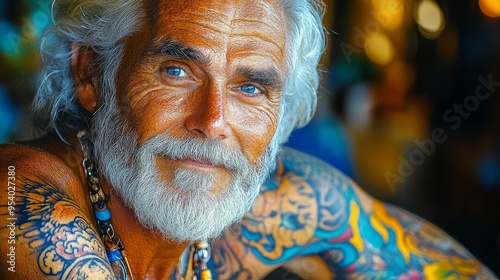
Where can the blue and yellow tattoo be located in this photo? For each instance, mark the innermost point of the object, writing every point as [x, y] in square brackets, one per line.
[309, 208]
[54, 227]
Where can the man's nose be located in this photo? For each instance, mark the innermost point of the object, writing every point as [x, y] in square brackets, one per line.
[208, 119]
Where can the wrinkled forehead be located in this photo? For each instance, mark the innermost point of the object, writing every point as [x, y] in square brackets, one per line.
[222, 16]
[223, 29]
[223, 25]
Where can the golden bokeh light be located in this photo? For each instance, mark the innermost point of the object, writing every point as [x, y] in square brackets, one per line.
[490, 8]
[430, 19]
[379, 48]
[389, 13]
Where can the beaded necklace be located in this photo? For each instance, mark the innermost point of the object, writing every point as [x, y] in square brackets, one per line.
[199, 252]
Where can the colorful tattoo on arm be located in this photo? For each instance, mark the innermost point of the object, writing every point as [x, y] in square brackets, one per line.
[52, 225]
[312, 209]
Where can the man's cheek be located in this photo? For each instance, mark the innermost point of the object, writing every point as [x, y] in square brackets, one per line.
[255, 141]
[258, 119]
[157, 116]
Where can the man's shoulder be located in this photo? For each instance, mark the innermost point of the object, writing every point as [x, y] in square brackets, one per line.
[329, 189]
[291, 215]
[26, 155]
[301, 178]
[49, 232]
[312, 170]
[31, 171]
[35, 163]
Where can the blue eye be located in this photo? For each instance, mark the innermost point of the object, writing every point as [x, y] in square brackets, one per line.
[175, 71]
[248, 88]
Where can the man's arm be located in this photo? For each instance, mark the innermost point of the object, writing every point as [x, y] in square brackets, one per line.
[46, 234]
[358, 236]
[318, 223]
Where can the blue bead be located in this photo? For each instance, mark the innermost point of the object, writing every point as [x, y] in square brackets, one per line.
[103, 215]
[114, 256]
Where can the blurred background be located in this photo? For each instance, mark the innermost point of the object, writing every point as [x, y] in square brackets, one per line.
[409, 106]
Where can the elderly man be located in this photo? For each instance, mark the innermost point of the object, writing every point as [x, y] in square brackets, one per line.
[164, 119]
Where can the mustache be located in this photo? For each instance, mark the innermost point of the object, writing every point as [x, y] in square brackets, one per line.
[202, 150]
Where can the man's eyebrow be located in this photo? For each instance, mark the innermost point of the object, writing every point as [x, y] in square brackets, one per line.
[267, 76]
[176, 49]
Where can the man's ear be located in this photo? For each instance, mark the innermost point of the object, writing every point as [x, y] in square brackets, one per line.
[82, 60]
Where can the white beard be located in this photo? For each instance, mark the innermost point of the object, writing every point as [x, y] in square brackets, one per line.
[184, 209]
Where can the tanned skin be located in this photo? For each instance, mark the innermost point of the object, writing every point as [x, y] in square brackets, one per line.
[309, 218]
